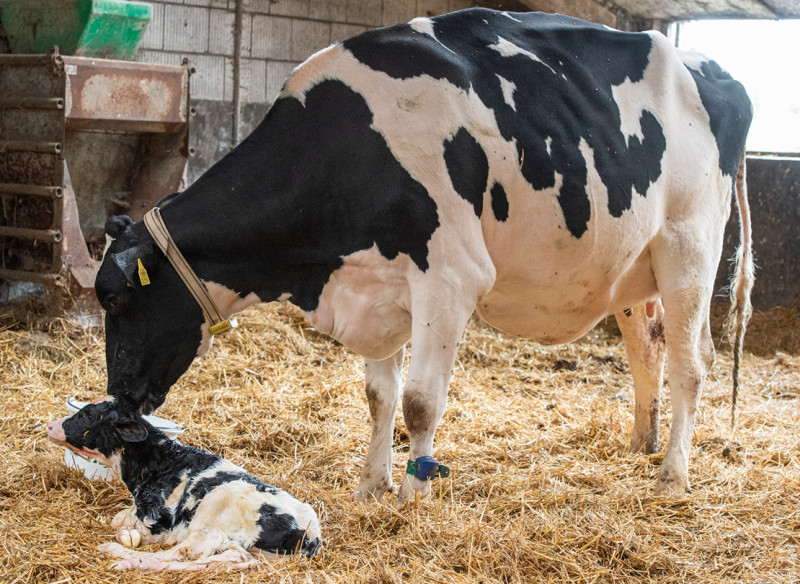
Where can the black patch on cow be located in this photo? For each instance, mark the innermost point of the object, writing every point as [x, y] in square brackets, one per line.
[561, 99]
[279, 532]
[313, 183]
[729, 110]
[468, 167]
[499, 202]
[422, 55]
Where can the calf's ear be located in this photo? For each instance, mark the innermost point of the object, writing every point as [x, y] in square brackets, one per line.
[132, 430]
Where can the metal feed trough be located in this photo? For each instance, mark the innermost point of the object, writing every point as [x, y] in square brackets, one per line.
[82, 139]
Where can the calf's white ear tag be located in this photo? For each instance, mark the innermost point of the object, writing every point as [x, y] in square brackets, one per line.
[144, 278]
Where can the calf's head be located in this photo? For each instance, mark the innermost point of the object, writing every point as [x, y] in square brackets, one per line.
[154, 327]
[99, 431]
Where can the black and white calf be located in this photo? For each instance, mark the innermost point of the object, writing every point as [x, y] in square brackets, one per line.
[212, 510]
[542, 170]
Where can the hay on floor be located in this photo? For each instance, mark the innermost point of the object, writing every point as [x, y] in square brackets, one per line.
[542, 489]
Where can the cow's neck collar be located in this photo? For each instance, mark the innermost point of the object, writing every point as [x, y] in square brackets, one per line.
[158, 230]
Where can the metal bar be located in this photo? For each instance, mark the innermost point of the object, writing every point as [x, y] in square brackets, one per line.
[33, 190]
[52, 235]
[23, 102]
[23, 60]
[237, 71]
[25, 146]
[22, 275]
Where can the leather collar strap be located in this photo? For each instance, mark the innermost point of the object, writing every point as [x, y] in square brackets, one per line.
[155, 225]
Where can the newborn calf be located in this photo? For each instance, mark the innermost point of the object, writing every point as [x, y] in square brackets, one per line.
[210, 508]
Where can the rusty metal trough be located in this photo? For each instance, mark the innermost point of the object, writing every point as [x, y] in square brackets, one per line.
[82, 139]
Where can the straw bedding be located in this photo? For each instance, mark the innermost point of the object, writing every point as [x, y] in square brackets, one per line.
[542, 488]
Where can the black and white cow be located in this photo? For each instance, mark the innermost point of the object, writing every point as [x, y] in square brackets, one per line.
[542, 170]
[213, 511]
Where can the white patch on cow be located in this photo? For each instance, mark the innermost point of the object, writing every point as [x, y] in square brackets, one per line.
[425, 26]
[508, 49]
[693, 60]
[365, 300]
[316, 67]
[176, 495]
[508, 88]
[507, 15]
[625, 95]
[548, 143]
[228, 302]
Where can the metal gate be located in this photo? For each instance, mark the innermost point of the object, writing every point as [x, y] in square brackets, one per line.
[82, 139]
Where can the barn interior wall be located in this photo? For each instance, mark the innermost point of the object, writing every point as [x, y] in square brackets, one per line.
[773, 186]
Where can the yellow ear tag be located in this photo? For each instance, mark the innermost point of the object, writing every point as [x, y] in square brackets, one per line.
[143, 277]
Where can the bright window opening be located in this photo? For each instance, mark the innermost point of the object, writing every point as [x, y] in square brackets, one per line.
[763, 55]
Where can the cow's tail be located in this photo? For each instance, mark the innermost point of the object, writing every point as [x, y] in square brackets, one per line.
[742, 284]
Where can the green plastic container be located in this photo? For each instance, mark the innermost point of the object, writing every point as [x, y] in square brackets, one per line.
[109, 29]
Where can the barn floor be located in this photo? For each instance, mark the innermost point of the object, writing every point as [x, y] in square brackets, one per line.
[542, 489]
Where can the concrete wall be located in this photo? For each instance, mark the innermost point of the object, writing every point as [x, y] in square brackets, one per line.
[277, 36]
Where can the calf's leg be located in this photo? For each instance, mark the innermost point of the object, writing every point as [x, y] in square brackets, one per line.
[643, 331]
[383, 391]
[200, 550]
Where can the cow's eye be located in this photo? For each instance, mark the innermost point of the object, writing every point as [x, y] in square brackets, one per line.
[113, 303]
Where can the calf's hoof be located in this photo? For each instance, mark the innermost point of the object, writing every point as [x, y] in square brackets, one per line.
[129, 538]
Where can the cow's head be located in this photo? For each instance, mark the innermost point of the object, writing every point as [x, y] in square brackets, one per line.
[153, 330]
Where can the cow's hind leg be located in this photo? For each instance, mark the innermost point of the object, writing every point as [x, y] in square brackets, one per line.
[434, 344]
[690, 352]
[383, 391]
[642, 328]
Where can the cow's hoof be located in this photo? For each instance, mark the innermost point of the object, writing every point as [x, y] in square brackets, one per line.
[371, 490]
[672, 484]
[129, 538]
[412, 487]
[370, 494]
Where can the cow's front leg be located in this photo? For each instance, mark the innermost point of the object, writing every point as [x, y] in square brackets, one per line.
[434, 345]
[643, 331]
[383, 391]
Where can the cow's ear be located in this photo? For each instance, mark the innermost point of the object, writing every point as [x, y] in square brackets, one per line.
[132, 430]
[134, 263]
[116, 225]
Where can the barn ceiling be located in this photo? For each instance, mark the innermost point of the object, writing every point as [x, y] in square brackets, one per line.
[691, 9]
